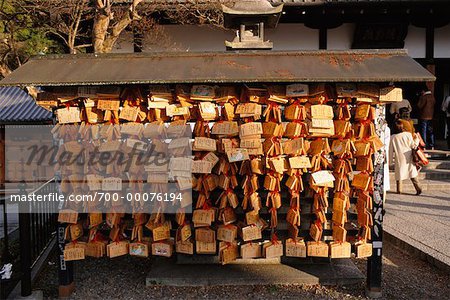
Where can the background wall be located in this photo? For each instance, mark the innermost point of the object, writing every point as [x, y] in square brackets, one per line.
[415, 42]
[340, 38]
[285, 37]
[293, 37]
[202, 38]
[442, 42]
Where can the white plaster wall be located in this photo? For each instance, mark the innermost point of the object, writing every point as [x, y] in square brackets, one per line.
[341, 38]
[415, 42]
[442, 42]
[285, 37]
[293, 37]
[202, 38]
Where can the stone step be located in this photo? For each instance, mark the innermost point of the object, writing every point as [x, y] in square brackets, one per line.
[426, 185]
[335, 272]
[438, 154]
[436, 174]
[437, 164]
[184, 259]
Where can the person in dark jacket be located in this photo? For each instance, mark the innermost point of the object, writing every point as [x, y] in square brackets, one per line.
[426, 111]
[446, 110]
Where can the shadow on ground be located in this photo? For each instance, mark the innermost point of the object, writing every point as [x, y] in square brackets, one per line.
[404, 277]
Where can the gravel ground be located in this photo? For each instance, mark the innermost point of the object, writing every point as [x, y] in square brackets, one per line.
[404, 277]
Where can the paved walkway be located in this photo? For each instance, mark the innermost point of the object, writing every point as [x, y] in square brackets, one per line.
[421, 224]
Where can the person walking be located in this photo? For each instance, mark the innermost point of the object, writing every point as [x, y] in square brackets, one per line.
[426, 111]
[446, 110]
[404, 117]
[400, 151]
[395, 111]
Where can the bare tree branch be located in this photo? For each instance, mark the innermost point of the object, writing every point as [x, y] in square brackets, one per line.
[83, 46]
[196, 12]
[104, 40]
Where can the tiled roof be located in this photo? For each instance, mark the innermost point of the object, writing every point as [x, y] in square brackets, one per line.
[16, 106]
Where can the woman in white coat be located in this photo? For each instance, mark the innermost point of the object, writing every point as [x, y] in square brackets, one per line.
[400, 153]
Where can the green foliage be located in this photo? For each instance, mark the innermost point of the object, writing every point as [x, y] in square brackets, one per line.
[23, 34]
[37, 42]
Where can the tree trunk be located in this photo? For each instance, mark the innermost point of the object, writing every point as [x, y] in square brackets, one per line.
[110, 41]
[4, 70]
[101, 24]
[104, 41]
[99, 32]
[71, 45]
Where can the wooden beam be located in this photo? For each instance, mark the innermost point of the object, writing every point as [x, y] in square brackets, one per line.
[374, 263]
[429, 42]
[2, 157]
[138, 39]
[323, 38]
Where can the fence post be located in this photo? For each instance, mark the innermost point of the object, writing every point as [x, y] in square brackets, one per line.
[65, 270]
[374, 263]
[25, 243]
[6, 255]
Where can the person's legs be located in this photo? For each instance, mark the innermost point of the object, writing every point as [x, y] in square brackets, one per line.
[430, 134]
[423, 131]
[415, 182]
[399, 186]
[448, 133]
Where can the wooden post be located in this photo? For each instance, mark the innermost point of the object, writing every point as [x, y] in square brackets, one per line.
[323, 38]
[25, 243]
[429, 42]
[431, 84]
[374, 263]
[2, 157]
[138, 40]
[241, 32]
[65, 270]
[261, 31]
[6, 257]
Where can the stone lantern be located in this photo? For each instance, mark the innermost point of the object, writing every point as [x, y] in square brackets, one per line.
[249, 18]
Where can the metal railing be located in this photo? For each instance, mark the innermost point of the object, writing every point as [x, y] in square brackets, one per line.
[5, 255]
[8, 255]
[37, 229]
[43, 221]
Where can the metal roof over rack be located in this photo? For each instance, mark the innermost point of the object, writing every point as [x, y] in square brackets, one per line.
[220, 67]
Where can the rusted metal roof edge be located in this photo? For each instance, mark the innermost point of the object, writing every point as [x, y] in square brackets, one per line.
[383, 70]
[379, 52]
[198, 81]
